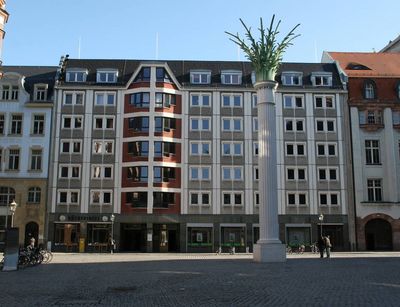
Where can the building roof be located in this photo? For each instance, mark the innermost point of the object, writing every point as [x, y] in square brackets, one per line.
[392, 46]
[368, 64]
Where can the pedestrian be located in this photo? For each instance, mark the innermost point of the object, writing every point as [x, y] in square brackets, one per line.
[328, 246]
[321, 246]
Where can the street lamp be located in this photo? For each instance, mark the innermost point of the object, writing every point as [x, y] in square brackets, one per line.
[112, 219]
[321, 219]
[11, 207]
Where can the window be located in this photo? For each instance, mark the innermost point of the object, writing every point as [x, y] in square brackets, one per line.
[295, 149]
[5, 92]
[7, 195]
[164, 124]
[296, 173]
[165, 100]
[328, 198]
[369, 90]
[36, 159]
[296, 199]
[232, 124]
[292, 102]
[69, 171]
[232, 148]
[324, 102]
[144, 74]
[200, 148]
[232, 198]
[14, 92]
[1, 158]
[292, 78]
[232, 173]
[255, 149]
[100, 197]
[374, 187]
[294, 125]
[164, 149]
[34, 195]
[140, 100]
[13, 159]
[139, 124]
[103, 147]
[106, 76]
[40, 92]
[326, 149]
[137, 199]
[200, 77]
[72, 121]
[231, 77]
[138, 173]
[256, 173]
[163, 199]
[68, 197]
[162, 75]
[370, 117]
[372, 152]
[231, 100]
[321, 79]
[38, 124]
[199, 198]
[102, 171]
[327, 173]
[200, 100]
[76, 75]
[396, 117]
[103, 122]
[254, 100]
[256, 199]
[199, 173]
[16, 124]
[325, 125]
[164, 174]
[2, 123]
[255, 124]
[104, 98]
[70, 146]
[138, 148]
[200, 124]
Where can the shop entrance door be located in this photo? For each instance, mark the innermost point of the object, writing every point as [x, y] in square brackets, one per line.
[133, 238]
[378, 235]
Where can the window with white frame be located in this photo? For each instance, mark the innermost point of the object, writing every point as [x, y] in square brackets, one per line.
[231, 100]
[200, 148]
[296, 199]
[2, 123]
[73, 98]
[200, 123]
[36, 159]
[166, 124]
[100, 197]
[106, 76]
[103, 147]
[232, 148]
[255, 124]
[13, 159]
[68, 197]
[369, 89]
[324, 102]
[34, 194]
[293, 101]
[232, 198]
[372, 155]
[326, 198]
[254, 100]
[103, 122]
[292, 78]
[232, 173]
[16, 124]
[370, 117]
[9, 92]
[38, 124]
[396, 117]
[165, 100]
[295, 149]
[76, 75]
[200, 77]
[200, 99]
[255, 149]
[140, 100]
[69, 171]
[200, 172]
[257, 199]
[164, 149]
[102, 171]
[327, 173]
[104, 98]
[138, 173]
[256, 173]
[234, 124]
[40, 92]
[374, 189]
[72, 121]
[326, 149]
[231, 77]
[321, 79]
[294, 124]
[71, 146]
[296, 173]
[325, 125]
[200, 198]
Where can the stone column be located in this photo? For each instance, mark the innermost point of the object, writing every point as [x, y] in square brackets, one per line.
[268, 248]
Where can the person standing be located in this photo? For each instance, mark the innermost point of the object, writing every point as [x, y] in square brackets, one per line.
[328, 246]
[321, 246]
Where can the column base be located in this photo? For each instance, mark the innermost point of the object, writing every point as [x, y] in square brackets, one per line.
[269, 252]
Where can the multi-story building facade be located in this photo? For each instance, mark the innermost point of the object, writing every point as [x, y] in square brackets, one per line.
[25, 125]
[170, 149]
[374, 94]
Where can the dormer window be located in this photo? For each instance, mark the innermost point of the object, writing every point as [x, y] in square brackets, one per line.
[40, 92]
[292, 78]
[200, 77]
[161, 75]
[369, 90]
[106, 76]
[321, 79]
[76, 75]
[231, 77]
[143, 75]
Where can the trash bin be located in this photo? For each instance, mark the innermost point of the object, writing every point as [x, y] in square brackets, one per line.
[82, 245]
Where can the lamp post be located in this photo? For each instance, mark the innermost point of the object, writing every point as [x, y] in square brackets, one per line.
[321, 219]
[112, 219]
[11, 207]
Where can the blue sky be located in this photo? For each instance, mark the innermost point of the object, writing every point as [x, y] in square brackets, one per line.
[39, 32]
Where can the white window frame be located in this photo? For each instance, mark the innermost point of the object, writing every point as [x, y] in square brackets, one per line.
[199, 198]
[200, 173]
[231, 170]
[255, 124]
[295, 149]
[69, 193]
[101, 197]
[326, 149]
[256, 204]
[297, 199]
[324, 104]
[200, 123]
[104, 122]
[72, 75]
[103, 143]
[256, 149]
[40, 91]
[103, 168]
[71, 146]
[200, 96]
[108, 73]
[254, 100]
[294, 124]
[231, 148]
[231, 97]
[327, 173]
[73, 121]
[21, 121]
[70, 168]
[291, 75]
[105, 96]
[231, 124]
[325, 125]
[374, 188]
[203, 75]
[296, 170]
[293, 98]
[328, 199]
[200, 147]
[232, 198]
[231, 75]
[38, 160]
[34, 120]
[256, 173]
[321, 79]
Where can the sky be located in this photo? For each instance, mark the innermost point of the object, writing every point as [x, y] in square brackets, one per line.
[39, 32]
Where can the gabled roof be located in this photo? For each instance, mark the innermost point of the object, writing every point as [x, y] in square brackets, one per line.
[392, 46]
[378, 64]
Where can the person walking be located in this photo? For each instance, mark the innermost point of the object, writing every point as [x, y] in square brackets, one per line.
[328, 246]
[321, 246]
